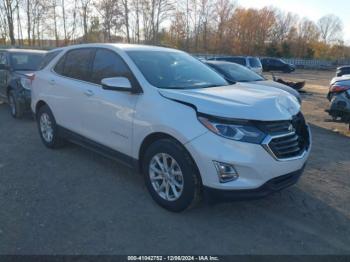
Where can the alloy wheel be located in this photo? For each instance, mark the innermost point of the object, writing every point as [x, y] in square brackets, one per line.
[166, 177]
[46, 127]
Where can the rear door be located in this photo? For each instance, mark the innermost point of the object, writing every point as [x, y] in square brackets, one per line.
[68, 86]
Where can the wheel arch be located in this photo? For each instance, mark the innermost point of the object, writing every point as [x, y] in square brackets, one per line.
[8, 89]
[38, 105]
[153, 137]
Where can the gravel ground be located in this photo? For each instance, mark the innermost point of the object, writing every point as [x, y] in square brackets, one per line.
[73, 201]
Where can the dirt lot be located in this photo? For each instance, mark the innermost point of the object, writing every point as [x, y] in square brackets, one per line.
[73, 201]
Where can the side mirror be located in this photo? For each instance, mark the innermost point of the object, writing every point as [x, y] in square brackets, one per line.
[117, 84]
[4, 67]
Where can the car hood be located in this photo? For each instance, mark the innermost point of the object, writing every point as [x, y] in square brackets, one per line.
[279, 86]
[239, 101]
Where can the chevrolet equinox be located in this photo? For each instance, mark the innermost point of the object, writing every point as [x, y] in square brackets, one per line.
[174, 119]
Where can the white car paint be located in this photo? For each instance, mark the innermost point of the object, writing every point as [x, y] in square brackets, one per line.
[122, 120]
[339, 78]
[239, 101]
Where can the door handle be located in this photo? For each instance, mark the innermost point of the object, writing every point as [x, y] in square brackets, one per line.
[88, 92]
[52, 82]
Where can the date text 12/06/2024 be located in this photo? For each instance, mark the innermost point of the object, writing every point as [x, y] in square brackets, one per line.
[173, 258]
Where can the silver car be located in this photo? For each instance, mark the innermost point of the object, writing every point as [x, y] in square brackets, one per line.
[233, 73]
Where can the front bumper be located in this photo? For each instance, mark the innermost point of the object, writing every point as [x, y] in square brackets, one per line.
[273, 185]
[252, 162]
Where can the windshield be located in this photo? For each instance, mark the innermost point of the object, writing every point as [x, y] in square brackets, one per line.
[175, 70]
[26, 61]
[254, 62]
[238, 73]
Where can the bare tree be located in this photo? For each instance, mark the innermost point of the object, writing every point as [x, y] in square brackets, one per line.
[19, 25]
[330, 27]
[9, 7]
[136, 10]
[284, 23]
[206, 8]
[223, 13]
[126, 14]
[3, 26]
[54, 16]
[85, 9]
[111, 17]
[64, 19]
[29, 21]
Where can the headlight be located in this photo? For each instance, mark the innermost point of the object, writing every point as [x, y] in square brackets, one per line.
[239, 131]
[26, 83]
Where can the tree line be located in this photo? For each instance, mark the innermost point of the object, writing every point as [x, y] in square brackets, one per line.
[198, 26]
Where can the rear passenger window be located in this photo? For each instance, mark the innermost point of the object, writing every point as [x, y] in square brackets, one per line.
[59, 66]
[77, 64]
[108, 64]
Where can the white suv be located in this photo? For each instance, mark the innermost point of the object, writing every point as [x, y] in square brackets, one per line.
[174, 119]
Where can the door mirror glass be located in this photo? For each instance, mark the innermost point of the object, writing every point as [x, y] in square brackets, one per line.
[116, 83]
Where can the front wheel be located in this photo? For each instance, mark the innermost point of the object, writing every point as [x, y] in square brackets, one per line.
[48, 128]
[16, 109]
[171, 176]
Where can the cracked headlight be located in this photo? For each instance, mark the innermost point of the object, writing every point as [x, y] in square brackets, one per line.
[236, 130]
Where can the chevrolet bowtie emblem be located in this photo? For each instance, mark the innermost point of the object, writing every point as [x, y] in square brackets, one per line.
[290, 128]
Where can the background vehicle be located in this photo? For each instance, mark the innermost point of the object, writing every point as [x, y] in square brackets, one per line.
[173, 118]
[276, 64]
[339, 96]
[253, 63]
[16, 75]
[237, 73]
[343, 70]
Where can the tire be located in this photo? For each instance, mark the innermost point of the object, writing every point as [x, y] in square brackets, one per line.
[16, 108]
[190, 193]
[48, 129]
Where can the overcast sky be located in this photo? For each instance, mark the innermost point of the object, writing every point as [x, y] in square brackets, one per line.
[313, 9]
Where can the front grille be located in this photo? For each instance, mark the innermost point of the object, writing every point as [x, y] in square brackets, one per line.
[288, 138]
[275, 127]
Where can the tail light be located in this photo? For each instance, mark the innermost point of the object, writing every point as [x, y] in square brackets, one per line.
[338, 88]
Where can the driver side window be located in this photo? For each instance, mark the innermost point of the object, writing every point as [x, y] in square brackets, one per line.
[108, 64]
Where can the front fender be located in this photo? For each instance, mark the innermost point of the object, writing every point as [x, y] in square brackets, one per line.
[22, 95]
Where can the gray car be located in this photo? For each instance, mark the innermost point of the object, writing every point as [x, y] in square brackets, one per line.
[16, 74]
[251, 62]
[236, 73]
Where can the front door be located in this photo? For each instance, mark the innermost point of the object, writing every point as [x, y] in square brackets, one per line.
[108, 115]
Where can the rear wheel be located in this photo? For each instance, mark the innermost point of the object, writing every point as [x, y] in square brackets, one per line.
[171, 176]
[16, 109]
[48, 128]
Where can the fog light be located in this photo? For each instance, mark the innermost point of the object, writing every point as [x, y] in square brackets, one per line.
[226, 172]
